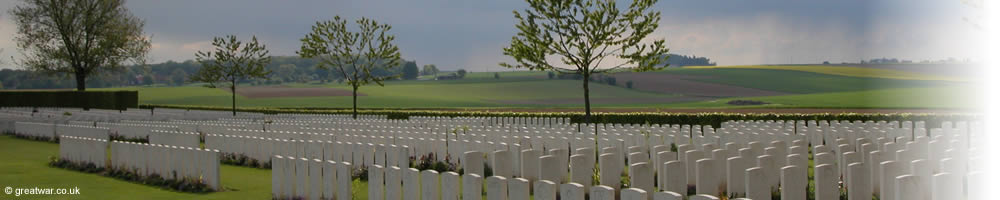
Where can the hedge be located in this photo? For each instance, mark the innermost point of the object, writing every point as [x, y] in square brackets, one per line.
[715, 118]
[112, 100]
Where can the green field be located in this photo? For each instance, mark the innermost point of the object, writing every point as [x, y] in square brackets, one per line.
[800, 82]
[934, 97]
[805, 86]
[842, 71]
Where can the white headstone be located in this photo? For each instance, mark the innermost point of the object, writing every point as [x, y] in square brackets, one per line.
[859, 185]
[641, 177]
[601, 192]
[449, 186]
[411, 183]
[908, 188]
[529, 164]
[503, 163]
[827, 182]
[946, 186]
[496, 188]
[394, 181]
[707, 177]
[472, 187]
[610, 170]
[794, 183]
[548, 170]
[736, 172]
[667, 195]
[675, 178]
[571, 191]
[634, 194]
[581, 171]
[704, 197]
[344, 180]
[757, 189]
[545, 190]
[472, 162]
[518, 188]
[316, 178]
[429, 183]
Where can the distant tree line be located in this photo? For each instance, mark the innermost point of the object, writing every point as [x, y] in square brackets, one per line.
[287, 69]
[682, 60]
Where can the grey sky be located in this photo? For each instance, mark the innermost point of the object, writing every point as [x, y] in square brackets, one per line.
[470, 34]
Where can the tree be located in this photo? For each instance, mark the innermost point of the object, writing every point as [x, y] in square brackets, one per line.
[355, 55]
[429, 69]
[582, 34]
[286, 72]
[410, 70]
[178, 76]
[78, 37]
[496, 75]
[461, 73]
[233, 61]
[147, 79]
[552, 75]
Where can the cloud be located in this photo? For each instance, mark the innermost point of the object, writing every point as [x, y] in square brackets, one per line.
[470, 34]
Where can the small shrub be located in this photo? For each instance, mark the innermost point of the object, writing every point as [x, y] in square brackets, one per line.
[360, 173]
[628, 84]
[740, 102]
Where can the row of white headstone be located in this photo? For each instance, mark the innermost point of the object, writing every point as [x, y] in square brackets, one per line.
[83, 150]
[175, 138]
[43, 130]
[169, 162]
[395, 183]
[302, 178]
[83, 131]
[128, 130]
[262, 148]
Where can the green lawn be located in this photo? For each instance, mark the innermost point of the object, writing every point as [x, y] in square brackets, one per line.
[25, 166]
[800, 82]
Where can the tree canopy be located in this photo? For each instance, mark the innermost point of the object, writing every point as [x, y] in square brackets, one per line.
[78, 37]
[581, 34]
[353, 54]
[232, 61]
[410, 70]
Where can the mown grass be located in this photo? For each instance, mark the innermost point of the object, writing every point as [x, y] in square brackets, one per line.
[932, 97]
[842, 71]
[481, 90]
[25, 166]
[793, 81]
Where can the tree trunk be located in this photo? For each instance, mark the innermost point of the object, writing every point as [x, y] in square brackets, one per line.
[81, 86]
[586, 97]
[233, 88]
[81, 81]
[355, 115]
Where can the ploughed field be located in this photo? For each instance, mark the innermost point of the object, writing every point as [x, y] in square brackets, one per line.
[803, 87]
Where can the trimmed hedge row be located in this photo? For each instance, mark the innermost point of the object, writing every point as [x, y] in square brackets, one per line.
[112, 100]
[714, 119]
